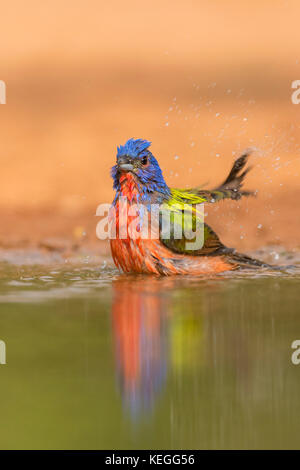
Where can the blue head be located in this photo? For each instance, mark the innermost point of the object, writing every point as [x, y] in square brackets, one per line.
[135, 157]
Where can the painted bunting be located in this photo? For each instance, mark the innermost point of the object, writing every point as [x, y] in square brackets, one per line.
[139, 182]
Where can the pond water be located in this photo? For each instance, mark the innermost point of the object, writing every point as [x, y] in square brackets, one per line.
[100, 360]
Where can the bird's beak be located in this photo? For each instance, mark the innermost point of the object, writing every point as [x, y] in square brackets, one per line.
[124, 164]
[125, 167]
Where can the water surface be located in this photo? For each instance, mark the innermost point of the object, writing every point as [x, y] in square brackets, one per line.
[100, 360]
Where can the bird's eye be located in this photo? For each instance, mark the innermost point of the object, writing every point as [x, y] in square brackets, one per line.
[144, 161]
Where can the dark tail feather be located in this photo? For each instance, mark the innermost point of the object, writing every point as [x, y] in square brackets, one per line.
[245, 261]
[248, 262]
[235, 179]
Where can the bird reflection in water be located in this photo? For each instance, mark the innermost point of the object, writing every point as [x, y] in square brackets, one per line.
[140, 335]
[151, 336]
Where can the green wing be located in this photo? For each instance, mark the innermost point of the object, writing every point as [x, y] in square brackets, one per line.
[182, 227]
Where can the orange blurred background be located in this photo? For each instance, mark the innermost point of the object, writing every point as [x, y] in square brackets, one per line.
[202, 80]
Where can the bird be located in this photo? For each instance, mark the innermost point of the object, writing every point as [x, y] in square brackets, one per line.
[138, 181]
